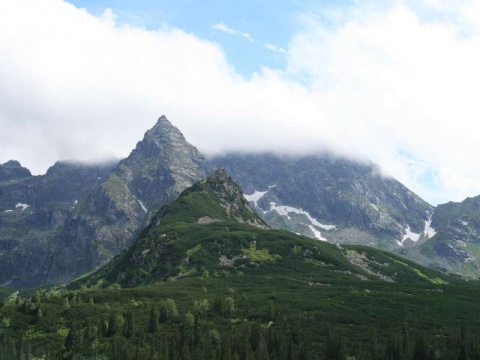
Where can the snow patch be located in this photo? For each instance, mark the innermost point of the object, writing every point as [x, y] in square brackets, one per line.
[8, 211]
[143, 206]
[285, 210]
[316, 233]
[429, 231]
[257, 195]
[374, 206]
[23, 206]
[464, 223]
[76, 202]
[409, 234]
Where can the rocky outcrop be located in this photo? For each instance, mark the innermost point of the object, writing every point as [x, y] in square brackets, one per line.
[12, 170]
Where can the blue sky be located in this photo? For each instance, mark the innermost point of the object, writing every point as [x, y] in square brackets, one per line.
[270, 22]
[267, 22]
[392, 81]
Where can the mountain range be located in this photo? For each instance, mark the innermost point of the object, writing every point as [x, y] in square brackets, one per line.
[208, 278]
[76, 217]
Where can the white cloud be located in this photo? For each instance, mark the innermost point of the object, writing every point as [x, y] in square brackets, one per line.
[224, 28]
[387, 84]
[274, 48]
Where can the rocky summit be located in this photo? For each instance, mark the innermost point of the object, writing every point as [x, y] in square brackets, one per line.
[12, 170]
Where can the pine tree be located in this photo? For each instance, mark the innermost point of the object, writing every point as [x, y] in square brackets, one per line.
[66, 304]
[129, 327]
[73, 339]
[115, 323]
[152, 321]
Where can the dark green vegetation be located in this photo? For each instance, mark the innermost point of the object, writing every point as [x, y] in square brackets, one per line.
[213, 282]
[252, 316]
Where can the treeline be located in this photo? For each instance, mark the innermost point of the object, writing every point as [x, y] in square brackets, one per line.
[83, 325]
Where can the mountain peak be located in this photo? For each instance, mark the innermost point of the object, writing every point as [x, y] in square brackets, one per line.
[12, 163]
[163, 123]
[163, 118]
[164, 129]
[217, 198]
[13, 170]
[220, 175]
[162, 165]
[223, 184]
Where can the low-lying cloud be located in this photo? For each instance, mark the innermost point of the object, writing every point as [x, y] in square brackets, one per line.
[395, 84]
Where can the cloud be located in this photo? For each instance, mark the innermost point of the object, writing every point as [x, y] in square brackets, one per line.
[275, 48]
[405, 82]
[224, 28]
[389, 83]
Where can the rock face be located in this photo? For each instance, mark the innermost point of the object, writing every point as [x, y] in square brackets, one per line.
[79, 216]
[162, 165]
[455, 247]
[34, 211]
[327, 197]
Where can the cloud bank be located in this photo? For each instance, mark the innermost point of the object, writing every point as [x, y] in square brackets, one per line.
[396, 83]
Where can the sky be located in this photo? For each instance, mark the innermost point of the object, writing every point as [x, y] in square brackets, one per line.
[396, 82]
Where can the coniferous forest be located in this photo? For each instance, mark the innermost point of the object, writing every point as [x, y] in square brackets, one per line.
[216, 317]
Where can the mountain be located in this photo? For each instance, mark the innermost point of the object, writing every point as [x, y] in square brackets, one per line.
[455, 246]
[91, 217]
[211, 228]
[161, 166]
[33, 213]
[330, 198]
